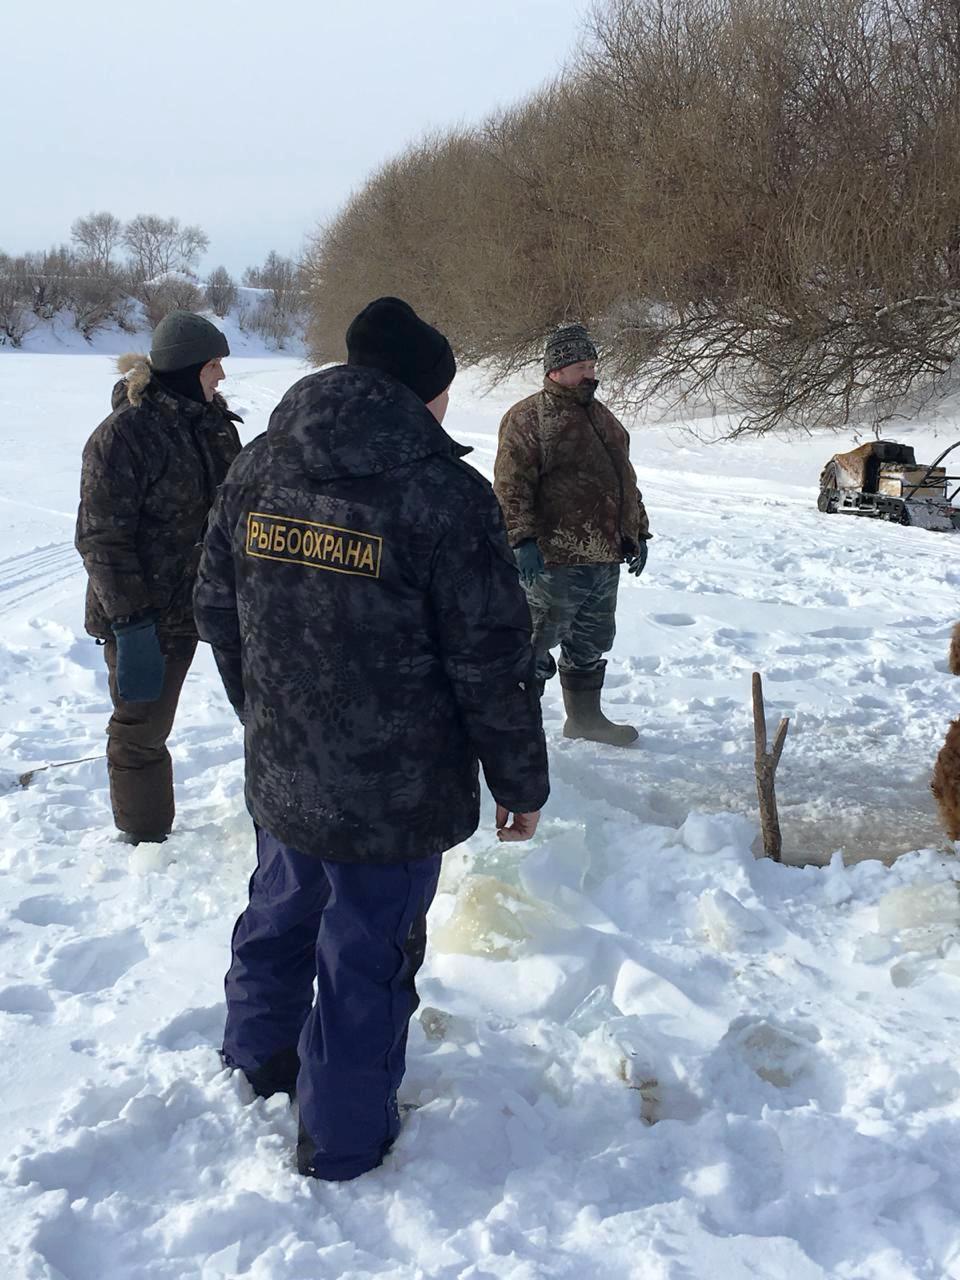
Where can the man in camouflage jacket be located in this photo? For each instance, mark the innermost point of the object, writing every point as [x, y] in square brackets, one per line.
[574, 514]
[364, 610]
[150, 472]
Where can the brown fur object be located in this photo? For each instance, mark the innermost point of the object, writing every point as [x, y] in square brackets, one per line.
[945, 783]
[954, 658]
[137, 373]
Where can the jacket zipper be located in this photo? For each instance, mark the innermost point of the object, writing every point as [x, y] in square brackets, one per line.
[613, 463]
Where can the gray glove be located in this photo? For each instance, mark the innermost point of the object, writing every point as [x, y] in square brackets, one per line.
[529, 561]
[636, 560]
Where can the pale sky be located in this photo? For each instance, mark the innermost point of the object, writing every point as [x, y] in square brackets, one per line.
[253, 118]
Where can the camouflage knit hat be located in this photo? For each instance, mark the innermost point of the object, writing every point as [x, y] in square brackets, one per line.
[568, 345]
[182, 339]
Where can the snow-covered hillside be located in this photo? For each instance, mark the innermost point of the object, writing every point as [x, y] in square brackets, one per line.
[641, 1052]
[60, 336]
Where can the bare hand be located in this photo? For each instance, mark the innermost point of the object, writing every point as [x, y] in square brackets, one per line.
[521, 828]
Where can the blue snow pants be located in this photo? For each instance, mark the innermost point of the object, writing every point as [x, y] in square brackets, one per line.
[360, 932]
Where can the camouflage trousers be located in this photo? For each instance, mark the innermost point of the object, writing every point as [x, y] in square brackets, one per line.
[573, 606]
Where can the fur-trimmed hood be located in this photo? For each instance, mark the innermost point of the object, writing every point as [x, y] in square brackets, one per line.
[136, 371]
[137, 374]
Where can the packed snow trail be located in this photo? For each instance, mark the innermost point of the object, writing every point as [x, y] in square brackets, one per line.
[641, 1052]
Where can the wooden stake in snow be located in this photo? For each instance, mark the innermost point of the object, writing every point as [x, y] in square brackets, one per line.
[765, 763]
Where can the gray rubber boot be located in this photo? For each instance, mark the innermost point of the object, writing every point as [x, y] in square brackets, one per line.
[581, 697]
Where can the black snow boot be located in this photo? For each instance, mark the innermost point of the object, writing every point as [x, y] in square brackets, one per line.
[581, 698]
[128, 837]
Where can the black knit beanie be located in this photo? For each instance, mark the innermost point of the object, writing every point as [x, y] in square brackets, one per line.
[389, 335]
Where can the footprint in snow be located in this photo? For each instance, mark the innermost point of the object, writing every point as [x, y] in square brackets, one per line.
[94, 964]
[24, 999]
[674, 619]
[47, 909]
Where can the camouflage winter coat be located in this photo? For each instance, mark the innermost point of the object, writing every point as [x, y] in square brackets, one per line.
[563, 477]
[150, 473]
[366, 616]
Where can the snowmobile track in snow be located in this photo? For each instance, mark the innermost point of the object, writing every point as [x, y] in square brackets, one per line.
[32, 572]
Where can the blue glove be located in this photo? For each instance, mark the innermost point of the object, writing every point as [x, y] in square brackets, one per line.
[636, 560]
[140, 664]
[529, 561]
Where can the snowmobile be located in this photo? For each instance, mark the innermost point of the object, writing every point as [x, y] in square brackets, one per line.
[883, 480]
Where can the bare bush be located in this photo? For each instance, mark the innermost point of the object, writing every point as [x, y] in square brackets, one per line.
[173, 292]
[757, 200]
[97, 296]
[16, 318]
[808, 273]
[221, 291]
[45, 280]
[278, 314]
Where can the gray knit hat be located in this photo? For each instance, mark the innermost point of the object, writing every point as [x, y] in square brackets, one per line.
[182, 339]
[568, 345]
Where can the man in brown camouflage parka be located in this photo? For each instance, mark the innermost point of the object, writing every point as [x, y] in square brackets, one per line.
[150, 473]
[573, 514]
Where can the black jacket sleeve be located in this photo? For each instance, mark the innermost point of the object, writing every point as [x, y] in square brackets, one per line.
[215, 603]
[484, 628]
[113, 482]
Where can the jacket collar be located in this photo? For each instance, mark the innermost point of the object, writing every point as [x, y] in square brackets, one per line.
[354, 421]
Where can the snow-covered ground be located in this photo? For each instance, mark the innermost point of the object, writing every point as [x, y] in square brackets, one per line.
[641, 1052]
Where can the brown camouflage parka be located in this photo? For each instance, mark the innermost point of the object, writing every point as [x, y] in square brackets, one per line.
[563, 476]
[150, 473]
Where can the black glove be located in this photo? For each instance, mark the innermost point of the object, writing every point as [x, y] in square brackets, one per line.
[140, 664]
[529, 561]
[636, 558]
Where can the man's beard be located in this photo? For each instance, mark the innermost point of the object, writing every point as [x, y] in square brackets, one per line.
[585, 391]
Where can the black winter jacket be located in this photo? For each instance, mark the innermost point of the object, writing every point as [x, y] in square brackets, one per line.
[150, 473]
[366, 616]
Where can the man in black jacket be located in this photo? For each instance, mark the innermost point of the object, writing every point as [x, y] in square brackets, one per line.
[150, 473]
[365, 613]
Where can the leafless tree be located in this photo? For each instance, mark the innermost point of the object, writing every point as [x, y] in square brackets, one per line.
[97, 236]
[160, 245]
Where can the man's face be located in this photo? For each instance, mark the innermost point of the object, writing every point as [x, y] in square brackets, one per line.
[571, 375]
[211, 375]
